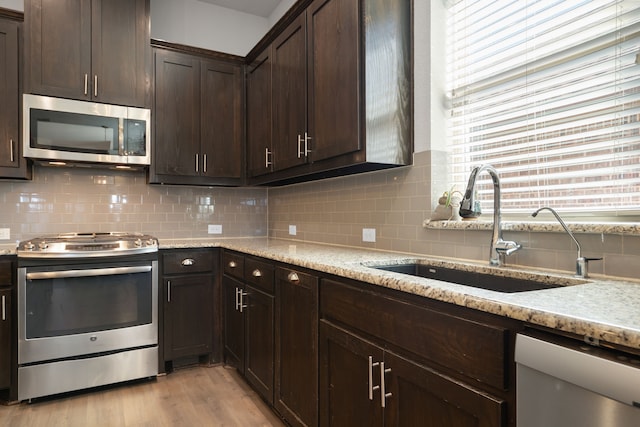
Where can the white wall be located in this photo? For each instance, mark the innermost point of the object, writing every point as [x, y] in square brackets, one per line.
[195, 23]
[13, 4]
[199, 24]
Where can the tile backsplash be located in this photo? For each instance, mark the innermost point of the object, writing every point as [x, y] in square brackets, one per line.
[395, 202]
[87, 200]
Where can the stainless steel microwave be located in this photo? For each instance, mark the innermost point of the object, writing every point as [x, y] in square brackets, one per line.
[65, 130]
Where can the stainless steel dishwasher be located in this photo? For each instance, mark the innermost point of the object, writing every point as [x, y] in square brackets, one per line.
[566, 383]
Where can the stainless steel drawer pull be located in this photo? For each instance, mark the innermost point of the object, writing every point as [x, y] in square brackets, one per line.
[256, 273]
[4, 308]
[168, 290]
[95, 85]
[204, 163]
[13, 158]
[188, 261]
[86, 84]
[371, 387]
[232, 264]
[197, 163]
[293, 277]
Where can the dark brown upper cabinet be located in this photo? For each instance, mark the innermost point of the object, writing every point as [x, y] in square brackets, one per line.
[92, 50]
[198, 120]
[12, 164]
[340, 92]
[259, 115]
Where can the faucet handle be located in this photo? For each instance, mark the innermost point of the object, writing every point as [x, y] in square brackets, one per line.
[582, 266]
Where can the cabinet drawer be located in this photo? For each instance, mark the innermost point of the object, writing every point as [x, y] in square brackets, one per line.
[476, 350]
[184, 262]
[233, 264]
[259, 274]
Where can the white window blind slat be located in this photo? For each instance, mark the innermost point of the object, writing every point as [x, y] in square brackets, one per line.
[548, 92]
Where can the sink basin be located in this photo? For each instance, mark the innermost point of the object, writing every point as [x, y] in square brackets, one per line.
[468, 278]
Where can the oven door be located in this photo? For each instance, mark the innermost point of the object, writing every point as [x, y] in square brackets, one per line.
[76, 310]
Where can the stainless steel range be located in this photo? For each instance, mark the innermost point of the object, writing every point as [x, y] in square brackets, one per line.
[87, 311]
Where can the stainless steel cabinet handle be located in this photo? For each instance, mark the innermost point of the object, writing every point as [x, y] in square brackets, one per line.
[293, 277]
[86, 84]
[371, 387]
[197, 162]
[4, 308]
[95, 85]
[299, 146]
[267, 161]
[187, 262]
[256, 273]
[232, 264]
[240, 305]
[13, 159]
[307, 150]
[383, 391]
[204, 163]
[168, 290]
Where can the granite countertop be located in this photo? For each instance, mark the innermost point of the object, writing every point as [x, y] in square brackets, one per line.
[603, 309]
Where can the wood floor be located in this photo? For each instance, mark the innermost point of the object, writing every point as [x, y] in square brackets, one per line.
[195, 396]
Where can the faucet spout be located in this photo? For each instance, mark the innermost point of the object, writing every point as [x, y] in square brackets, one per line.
[499, 247]
[582, 263]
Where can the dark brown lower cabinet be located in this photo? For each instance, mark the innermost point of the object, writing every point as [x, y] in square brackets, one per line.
[296, 367]
[5, 338]
[189, 294]
[362, 384]
[233, 323]
[248, 305]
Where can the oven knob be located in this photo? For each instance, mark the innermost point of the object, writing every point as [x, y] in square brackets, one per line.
[138, 243]
[29, 246]
[43, 245]
[151, 242]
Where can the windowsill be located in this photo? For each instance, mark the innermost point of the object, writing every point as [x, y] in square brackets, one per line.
[537, 226]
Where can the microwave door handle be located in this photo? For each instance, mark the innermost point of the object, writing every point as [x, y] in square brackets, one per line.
[121, 137]
[91, 272]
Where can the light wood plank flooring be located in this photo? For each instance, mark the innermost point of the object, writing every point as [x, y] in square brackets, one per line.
[195, 396]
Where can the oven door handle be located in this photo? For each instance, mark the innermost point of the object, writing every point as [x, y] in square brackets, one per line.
[88, 272]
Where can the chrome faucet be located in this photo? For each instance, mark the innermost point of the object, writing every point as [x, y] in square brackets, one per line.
[582, 263]
[499, 247]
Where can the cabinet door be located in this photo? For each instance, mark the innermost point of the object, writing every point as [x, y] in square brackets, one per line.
[177, 114]
[290, 95]
[5, 338]
[221, 120]
[12, 165]
[259, 341]
[58, 47]
[421, 396]
[348, 379]
[296, 388]
[334, 77]
[259, 115]
[233, 318]
[121, 53]
[188, 320]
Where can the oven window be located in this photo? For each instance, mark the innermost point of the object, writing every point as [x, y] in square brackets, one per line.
[75, 305]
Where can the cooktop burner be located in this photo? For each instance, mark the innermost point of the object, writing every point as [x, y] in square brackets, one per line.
[87, 245]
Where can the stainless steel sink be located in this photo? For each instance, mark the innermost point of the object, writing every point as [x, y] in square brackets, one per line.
[469, 278]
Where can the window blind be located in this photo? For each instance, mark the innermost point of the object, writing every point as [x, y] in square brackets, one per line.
[548, 92]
